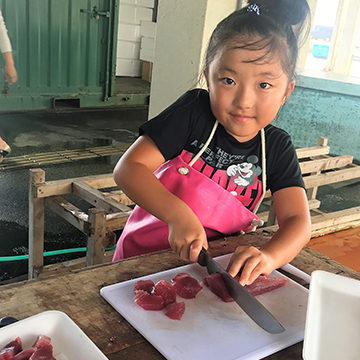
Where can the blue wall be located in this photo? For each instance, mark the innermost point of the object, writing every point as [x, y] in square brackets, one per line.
[322, 107]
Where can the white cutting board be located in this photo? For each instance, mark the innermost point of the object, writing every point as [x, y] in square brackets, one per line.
[210, 328]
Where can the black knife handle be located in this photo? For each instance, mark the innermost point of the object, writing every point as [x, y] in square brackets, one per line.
[202, 257]
[7, 320]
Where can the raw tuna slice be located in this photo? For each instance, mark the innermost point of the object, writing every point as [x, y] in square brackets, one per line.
[166, 291]
[6, 354]
[176, 311]
[261, 285]
[43, 353]
[186, 286]
[11, 349]
[146, 285]
[148, 301]
[43, 349]
[42, 341]
[216, 284]
[25, 354]
[264, 284]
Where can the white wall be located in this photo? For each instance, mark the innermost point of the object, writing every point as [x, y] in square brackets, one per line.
[304, 50]
[183, 30]
[131, 12]
[349, 36]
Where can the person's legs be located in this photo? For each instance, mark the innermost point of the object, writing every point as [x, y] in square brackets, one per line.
[4, 149]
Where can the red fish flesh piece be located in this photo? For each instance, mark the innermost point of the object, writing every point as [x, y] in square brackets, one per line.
[264, 284]
[176, 310]
[261, 285]
[186, 286]
[148, 301]
[43, 353]
[11, 349]
[146, 285]
[166, 291]
[41, 350]
[25, 354]
[216, 284]
[42, 341]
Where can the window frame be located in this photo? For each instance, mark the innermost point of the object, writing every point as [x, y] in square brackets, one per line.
[339, 60]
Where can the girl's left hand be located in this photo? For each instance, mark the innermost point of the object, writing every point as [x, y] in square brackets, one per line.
[252, 262]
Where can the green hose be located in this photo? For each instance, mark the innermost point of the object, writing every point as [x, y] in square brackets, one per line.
[47, 253]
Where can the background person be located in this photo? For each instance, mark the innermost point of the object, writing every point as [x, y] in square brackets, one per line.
[10, 73]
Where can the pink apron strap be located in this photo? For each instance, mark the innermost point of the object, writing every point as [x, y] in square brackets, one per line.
[208, 141]
[263, 160]
[264, 177]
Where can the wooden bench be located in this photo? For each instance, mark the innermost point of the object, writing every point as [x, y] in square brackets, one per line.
[110, 207]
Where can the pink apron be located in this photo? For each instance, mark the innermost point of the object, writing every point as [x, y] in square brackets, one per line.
[218, 211]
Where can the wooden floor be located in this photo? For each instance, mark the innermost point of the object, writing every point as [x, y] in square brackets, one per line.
[342, 246]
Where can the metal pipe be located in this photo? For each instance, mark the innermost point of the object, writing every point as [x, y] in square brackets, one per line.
[107, 66]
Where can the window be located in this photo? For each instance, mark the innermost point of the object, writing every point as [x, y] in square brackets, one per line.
[321, 34]
[334, 44]
[355, 65]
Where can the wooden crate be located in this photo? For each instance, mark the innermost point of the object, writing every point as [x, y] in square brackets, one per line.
[111, 209]
[318, 169]
[109, 213]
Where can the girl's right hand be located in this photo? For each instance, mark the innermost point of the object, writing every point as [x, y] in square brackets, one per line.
[187, 237]
[10, 74]
[134, 174]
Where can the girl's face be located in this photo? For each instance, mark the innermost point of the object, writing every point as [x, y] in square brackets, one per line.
[245, 97]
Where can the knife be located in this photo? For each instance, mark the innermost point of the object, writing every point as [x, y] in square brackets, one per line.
[252, 307]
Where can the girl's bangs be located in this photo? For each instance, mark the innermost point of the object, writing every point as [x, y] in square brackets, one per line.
[272, 48]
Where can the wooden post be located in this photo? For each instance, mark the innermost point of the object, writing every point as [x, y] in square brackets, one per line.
[311, 192]
[36, 224]
[95, 242]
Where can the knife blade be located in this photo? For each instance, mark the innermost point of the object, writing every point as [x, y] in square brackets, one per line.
[251, 306]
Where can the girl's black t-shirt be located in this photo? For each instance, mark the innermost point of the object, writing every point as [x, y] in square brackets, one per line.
[183, 128]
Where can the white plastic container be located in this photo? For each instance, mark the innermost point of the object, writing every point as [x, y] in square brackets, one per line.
[68, 340]
[332, 327]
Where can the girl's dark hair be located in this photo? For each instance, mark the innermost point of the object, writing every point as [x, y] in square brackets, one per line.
[273, 25]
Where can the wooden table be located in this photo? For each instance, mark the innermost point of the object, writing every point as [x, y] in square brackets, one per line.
[78, 295]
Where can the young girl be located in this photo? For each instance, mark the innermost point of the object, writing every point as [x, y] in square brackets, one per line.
[214, 152]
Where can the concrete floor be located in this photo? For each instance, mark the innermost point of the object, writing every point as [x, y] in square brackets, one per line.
[38, 132]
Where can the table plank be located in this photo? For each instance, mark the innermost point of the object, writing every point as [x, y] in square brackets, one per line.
[78, 295]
